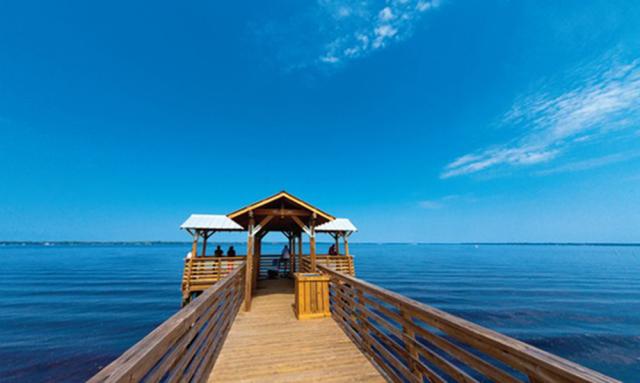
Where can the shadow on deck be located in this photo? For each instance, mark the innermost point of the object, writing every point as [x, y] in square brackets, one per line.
[270, 344]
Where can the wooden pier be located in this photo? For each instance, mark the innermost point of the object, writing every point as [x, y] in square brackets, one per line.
[372, 334]
[268, 344]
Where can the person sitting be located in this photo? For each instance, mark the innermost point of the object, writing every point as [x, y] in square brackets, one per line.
[218, 252]
[231, 252]
[333, 250]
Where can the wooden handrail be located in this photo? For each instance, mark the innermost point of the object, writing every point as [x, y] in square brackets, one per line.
[186, 346]
[200, 273]
[408, 341]
[341, 263]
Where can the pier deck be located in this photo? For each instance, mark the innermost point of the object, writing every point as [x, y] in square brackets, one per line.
[270, 344]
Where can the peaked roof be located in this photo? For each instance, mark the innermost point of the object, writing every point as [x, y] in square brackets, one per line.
[210, 222]
[337, 225]
[285, 196]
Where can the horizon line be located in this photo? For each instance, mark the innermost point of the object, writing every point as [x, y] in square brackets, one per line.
[467, 243]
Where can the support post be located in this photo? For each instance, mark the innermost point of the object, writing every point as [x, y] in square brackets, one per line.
[292, 253]
[248, 281]
[337, 237]
[256, 264]
[205, 237]
[312, 243]
[186, 294]
[346, 244]
[300, 252]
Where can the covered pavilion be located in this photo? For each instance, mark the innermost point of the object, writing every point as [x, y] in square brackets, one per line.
[282, 213]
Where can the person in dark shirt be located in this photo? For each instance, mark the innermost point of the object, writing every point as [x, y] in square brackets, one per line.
[333, 250]
[219, 252]
[231, 252]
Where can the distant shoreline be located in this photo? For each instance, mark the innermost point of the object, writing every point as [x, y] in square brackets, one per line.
[151, 243]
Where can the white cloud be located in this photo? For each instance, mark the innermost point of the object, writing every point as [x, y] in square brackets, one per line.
[383, 33]
[441, 202]
[343, 12]
[426, 5]
[367, 26]
[326, 34]
[386, 14]
[590, 163]
[604, 101]
[427, 204]
[329, 59]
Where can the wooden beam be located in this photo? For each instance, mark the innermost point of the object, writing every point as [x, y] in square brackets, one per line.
[283, 212]
[283, 195]
[262, 224]
[302, 225]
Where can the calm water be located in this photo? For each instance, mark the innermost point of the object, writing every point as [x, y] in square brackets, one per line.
[67, 310]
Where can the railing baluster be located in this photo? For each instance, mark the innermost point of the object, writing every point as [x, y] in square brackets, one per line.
[408, 339]
[362, 319]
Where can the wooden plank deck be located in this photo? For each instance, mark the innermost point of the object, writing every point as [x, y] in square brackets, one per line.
[268, 344]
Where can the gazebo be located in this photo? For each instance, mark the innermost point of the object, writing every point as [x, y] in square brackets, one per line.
[281, 212]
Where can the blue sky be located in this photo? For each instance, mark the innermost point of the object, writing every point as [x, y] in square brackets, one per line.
[422, 121]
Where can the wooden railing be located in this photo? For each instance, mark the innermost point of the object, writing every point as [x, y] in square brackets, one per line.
[204, 272]
[186, 346]
[340, 263]
[272, 262]
[411, 342]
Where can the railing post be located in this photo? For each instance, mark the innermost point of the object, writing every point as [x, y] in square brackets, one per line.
[364, 321]
[409, 337]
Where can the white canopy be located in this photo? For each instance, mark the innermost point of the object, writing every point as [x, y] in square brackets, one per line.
[211, 222]
[337, 225]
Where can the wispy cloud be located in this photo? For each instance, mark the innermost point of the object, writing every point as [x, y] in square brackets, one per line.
[430, 204]
[442, 202]
[333, 32]
[590, 163]
[605, 98]
[362, 27]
